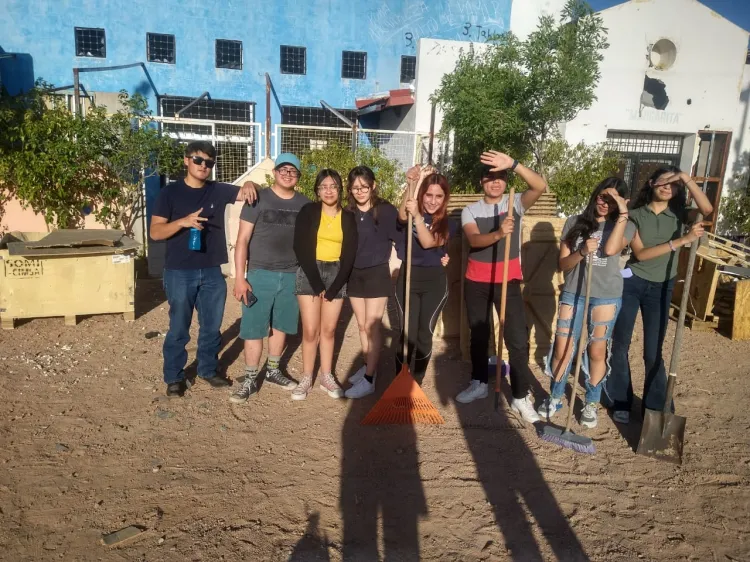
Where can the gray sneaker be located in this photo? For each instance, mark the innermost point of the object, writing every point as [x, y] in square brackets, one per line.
[589, 415]
[248, 388]
[621, 416]
[278, 378]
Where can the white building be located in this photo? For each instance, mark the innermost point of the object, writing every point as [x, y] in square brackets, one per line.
[674, 78]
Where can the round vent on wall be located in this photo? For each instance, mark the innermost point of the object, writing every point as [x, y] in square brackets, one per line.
[663, 54]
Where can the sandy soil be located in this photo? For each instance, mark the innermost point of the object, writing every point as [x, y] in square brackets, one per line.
[89, 444]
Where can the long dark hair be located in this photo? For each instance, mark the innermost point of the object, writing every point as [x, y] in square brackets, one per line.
[587, 224]
[329, 173]
[439, 226]
[646, 193]
[366, 176]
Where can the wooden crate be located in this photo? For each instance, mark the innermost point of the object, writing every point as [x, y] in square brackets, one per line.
[66, 273]
[713, 252]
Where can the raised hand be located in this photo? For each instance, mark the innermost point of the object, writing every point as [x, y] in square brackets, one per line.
[498, 161]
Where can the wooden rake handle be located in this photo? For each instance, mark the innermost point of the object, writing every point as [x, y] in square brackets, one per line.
[503, 298]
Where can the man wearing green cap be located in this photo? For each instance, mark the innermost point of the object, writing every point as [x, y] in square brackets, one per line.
[265, 248]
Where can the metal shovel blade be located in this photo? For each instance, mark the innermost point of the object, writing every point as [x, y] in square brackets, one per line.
[662, 436]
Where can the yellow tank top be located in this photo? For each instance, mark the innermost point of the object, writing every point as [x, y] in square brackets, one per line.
[330, 238]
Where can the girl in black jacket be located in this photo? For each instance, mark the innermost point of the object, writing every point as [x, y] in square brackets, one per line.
[325, 243]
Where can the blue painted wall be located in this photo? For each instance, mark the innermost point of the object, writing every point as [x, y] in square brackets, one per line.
[43, 31]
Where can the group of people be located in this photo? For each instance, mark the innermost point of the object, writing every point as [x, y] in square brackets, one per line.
[299, 259]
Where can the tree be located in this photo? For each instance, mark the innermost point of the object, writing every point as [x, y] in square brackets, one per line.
[515, 95]
[135, 152]
[574, 171]
[52, 159]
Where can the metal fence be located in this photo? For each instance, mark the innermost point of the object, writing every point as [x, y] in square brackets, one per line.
[405, 147]
[238, 144]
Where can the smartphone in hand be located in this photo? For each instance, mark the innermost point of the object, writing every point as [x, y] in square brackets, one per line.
[251, 299]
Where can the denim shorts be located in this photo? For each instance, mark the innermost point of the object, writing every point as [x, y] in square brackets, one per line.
[573, 327]
[328, 271]
[277, 306]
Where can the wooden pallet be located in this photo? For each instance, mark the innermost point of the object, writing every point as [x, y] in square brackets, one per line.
[694, 323]
[72, 320]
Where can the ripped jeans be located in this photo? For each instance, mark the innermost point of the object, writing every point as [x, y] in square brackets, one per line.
[601, 321]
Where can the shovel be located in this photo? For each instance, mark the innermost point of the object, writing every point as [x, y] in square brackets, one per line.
[663, 433]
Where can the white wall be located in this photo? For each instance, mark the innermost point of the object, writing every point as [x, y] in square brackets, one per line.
[435, 59]
[525, 14]
[703, 85]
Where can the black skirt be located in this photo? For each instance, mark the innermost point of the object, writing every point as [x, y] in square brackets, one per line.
[370, 283]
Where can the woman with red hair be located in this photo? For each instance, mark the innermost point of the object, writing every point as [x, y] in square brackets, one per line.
[429, 282]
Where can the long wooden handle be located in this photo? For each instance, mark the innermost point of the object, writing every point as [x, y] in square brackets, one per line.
[407, 288]
[503, 296]
[581, 343]
[675, 361]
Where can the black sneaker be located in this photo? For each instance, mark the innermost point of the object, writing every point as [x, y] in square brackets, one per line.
[218, 381]
[278, 378]
[248, 388]
[176, 388]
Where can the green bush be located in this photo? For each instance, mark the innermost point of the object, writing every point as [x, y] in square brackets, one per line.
[388, 172]
[575, 170]
[735, 211]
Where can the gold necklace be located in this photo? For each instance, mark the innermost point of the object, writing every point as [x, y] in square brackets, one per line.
[328, 220]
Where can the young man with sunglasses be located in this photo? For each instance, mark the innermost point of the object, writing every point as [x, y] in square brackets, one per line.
[189, 215]
[489, 224]
[265, 248]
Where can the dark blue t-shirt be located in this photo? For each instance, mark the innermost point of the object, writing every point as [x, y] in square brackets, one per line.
[375, 240]
[177, 200]
[419, 256]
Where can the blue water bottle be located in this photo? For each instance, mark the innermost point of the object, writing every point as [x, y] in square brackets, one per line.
[194, 242]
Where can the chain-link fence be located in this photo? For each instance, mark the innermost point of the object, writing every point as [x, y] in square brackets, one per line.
[238, 144]
[405, 147]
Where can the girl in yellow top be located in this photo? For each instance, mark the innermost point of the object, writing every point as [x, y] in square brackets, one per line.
[325, 243]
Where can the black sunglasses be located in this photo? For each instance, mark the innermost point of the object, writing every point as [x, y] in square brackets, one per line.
[198, 160]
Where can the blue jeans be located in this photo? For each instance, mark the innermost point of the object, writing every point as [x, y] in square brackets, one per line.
[204, 290]
[572, 329]
[652, 298]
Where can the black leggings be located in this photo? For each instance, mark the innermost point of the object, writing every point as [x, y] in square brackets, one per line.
[480, 298]
[427, 297]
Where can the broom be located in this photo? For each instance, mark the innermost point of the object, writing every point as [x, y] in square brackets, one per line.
[404, 402]
[503, 298]
[566, 438]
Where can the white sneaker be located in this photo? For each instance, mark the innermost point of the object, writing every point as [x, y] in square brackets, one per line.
[303, 388]
[525, 408]
[361, 389]
[359, 375]
[474, 391]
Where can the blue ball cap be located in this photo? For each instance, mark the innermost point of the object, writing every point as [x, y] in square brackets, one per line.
[288, 158]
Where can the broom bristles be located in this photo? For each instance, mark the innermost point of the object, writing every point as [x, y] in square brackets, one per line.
[568, 439]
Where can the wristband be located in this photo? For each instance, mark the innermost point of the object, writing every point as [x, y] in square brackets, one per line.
[671, 246]
[580, 251]
[513, 167]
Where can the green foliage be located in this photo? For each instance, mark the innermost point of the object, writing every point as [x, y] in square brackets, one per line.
[52, 160]
[574, 171]
[388, 172]
[58, 164]
[735, 212]
[513, 96]
[136, 152]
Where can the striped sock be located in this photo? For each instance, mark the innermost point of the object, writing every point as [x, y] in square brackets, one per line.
[273, 361]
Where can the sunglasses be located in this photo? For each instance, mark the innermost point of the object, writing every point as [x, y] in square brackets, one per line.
[198, 160]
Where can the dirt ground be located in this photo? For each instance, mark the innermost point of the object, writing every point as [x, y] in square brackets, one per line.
[89, 445]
